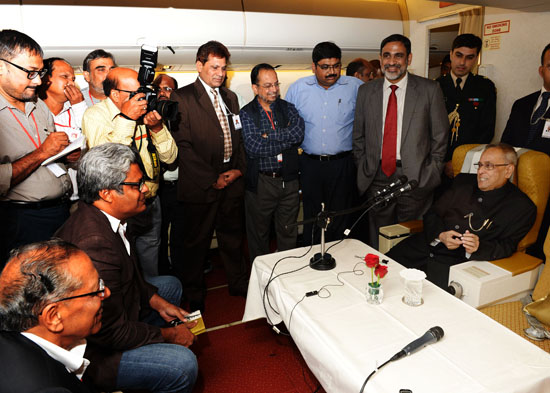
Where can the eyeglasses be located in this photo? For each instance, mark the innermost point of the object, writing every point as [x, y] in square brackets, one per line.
[138, 184]
[132, 93]
[489, 165]
[269, 85]
[30, 74]
[100, 292]
[325, 67]
[165, 89]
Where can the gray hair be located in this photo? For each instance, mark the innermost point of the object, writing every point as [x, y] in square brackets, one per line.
[40, 279]
[104, 167]
[509, 152]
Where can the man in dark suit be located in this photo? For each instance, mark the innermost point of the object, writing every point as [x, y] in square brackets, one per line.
[400, 129]
[132, 350]
[210, 185]
[529, 126]
[470, 99]
[529, 122]
[50, 300]
[478, 219]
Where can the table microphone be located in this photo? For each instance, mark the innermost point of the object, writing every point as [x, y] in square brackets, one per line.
[431, 336]
[406, 188]
[400, 181]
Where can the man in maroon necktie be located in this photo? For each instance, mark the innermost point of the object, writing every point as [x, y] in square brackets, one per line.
[400, 129]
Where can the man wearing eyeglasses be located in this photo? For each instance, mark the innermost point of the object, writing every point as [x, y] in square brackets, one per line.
[480, 218]
[326, 102]
[134, 349]
[51, 299]
[33, 198]
[123, 118]
[272, 133]
[169, 185]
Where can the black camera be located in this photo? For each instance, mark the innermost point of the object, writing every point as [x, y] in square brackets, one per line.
[148, 62]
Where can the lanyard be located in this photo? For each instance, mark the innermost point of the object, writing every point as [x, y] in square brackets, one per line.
[26, 132]
[62, 125]
[270, 117]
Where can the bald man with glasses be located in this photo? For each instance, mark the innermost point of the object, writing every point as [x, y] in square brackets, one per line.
[51, 299]
[34, 199]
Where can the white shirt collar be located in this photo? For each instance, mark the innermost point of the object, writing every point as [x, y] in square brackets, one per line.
[114, 222]
[73, 360]
[208, 88]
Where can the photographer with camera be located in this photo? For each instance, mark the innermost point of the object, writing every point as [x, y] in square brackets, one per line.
[126, 117]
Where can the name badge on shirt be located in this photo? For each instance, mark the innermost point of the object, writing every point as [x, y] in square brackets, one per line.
[237, 122]
[546, 129]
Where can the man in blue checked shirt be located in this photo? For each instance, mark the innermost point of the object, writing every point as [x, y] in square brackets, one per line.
[326, 101]
[272, 132]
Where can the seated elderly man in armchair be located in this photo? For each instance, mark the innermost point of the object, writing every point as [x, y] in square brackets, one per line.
[481, 218]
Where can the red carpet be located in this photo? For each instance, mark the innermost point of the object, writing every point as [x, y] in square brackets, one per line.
[245, 358]
[250, 358]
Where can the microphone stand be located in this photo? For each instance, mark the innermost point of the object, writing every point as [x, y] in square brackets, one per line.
[323, 260]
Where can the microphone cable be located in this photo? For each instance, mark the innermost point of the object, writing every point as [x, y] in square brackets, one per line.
[371, 374]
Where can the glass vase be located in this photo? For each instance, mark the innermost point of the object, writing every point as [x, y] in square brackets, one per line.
[375, 293]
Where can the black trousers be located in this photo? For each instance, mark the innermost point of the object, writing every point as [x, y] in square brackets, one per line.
[22, 225]
[332, 183]
[415, 252]
[192, 230]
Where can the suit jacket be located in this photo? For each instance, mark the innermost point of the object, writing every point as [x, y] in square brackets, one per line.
[90, 230]
[199, 137]
[27, 368]
[477, 110]
[517, 128]
[423, 136]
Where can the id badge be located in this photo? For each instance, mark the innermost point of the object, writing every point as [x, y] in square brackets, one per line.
[237, 122]
[546, 129]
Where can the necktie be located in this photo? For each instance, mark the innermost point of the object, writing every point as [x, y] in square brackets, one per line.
[227, 148]
[458, 88]
[389, 145]
[534, 126]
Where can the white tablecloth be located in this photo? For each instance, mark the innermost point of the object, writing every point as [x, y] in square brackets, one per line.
[343, 338]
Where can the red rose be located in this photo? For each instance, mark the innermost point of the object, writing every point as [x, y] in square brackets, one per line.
[381, 271]
[372, 260]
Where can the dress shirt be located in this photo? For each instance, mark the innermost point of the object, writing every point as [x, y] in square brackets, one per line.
[463, 83]
[224, 107]
[328, 113]
[73, 359]
[539, 100]
[118, 227]
[268, 148]
[69, 121]
[400, 95]
[102, 124]
[41, 184]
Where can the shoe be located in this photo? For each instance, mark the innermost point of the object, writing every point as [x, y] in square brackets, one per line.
[208, 266]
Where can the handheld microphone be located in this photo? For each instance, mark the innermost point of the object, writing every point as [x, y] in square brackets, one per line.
[406, 188]
[431, 336]
[402, 180]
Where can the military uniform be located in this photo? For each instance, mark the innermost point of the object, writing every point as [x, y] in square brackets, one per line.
[472, 112]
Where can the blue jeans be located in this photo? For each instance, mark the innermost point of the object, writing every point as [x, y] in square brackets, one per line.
[159, 368]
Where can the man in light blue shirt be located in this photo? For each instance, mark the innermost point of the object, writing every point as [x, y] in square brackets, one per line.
[326, 102]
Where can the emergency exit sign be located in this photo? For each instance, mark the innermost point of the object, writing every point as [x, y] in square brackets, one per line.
[497, 28]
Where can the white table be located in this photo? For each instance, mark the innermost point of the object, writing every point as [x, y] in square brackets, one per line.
[343, 338]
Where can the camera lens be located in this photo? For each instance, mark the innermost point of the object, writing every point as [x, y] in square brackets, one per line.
[167, 109]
